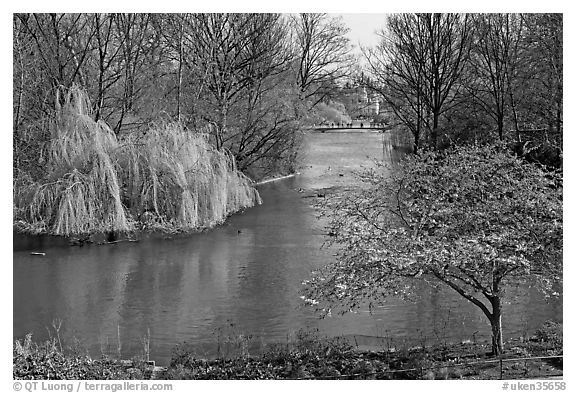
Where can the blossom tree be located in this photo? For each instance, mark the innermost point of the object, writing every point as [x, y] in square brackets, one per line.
[474, 219]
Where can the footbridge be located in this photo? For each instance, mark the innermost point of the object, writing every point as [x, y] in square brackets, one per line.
[354, 127]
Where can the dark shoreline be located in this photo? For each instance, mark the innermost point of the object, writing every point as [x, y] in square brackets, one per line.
[26, 241]
[309, 357]
[38, 242]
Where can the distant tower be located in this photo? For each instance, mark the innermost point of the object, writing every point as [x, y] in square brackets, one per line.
[363, 95]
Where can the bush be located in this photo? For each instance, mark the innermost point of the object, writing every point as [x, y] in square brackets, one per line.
[550, 332]
[48, 361]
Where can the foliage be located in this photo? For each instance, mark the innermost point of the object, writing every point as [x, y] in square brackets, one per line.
[48, 361]
[550, 332]
[81, 191]
[313, 357]
[235, 76]
[475, 219]
[180, 178]
[308, 357]
[91, 178]
[333, 112]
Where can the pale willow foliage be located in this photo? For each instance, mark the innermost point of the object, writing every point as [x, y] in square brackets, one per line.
[93, 177]
[180, 177]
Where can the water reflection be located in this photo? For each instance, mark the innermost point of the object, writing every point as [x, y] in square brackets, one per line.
[247, 272]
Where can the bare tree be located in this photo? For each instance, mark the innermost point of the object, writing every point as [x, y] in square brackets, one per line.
[62, 43]
[19, 73]
[544, 73]
[220, 47]
[323, 52]
[107, 58]
[448, 40]
[138, 42]
[396, 67]
[494, 60]
[48, 53]
[418, 68]
[266, 120]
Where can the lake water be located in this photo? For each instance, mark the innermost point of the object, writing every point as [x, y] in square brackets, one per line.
[240, 278]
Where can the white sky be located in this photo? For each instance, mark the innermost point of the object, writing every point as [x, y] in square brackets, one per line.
[363, 28]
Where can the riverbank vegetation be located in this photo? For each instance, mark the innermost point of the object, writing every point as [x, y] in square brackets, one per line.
[478, 208]
[473, 78]
[49, 360]
[148, 121]
[309, 356]
[163, 177]
[249, 81]
[474, 219]
[133, 121]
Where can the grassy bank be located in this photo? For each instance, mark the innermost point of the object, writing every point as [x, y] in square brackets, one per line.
[164, 178]
[48, 360]
[310, 357]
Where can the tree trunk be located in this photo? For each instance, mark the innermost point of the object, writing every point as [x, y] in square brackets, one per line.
[180, 59]
[435, 115]
[100, 99]
[21, 87]
[514, 112]
[419, 116]
[558, 135]
[417, 134]
[222, 123]
[496, 323]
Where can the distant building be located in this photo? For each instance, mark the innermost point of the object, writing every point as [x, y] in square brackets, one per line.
[370, 103]
[360, 103]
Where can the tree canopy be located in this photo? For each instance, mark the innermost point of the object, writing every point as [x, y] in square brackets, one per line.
[454, 78]
[475, 219]
[245, 79]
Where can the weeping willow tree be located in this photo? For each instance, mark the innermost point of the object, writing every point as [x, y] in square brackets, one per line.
[181, 180]
[96, 183]
[81, 191]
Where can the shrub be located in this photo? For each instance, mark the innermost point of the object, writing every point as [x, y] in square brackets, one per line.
[47, 361]
[550, 332]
